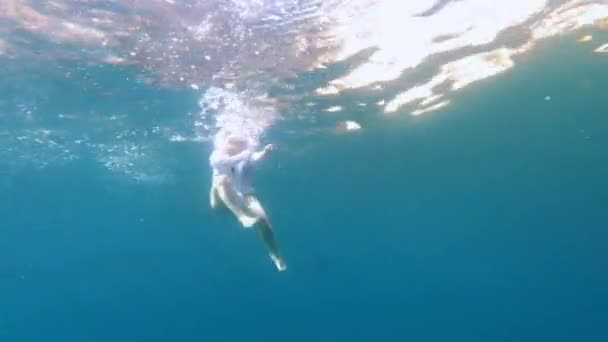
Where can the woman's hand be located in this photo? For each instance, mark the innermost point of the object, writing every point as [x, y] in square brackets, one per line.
[269, 147]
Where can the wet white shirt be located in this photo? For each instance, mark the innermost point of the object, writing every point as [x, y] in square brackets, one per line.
[225, 164]
[237, 167]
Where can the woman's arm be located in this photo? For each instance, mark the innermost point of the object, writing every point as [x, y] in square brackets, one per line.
[219, 159]
[261, 154]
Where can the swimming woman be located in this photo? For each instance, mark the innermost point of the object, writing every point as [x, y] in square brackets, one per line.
[232, 161]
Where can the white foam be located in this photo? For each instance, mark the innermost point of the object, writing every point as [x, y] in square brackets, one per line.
[238, 113]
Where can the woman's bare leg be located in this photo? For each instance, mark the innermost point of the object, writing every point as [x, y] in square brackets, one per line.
[266, 231]
[230, 198]
[213, 196]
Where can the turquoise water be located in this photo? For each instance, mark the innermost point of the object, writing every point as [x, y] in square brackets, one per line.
[482, 221]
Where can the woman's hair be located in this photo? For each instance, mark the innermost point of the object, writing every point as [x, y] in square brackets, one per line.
[235, 145]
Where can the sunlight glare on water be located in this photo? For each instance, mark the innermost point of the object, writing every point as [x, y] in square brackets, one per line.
[234, 55]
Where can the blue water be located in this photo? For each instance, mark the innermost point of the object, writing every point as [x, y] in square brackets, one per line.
[484, 221]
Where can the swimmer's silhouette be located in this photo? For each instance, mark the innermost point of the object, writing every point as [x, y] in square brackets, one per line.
[232, 160]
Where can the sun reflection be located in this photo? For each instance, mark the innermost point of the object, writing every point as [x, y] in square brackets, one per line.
[495, 31]
[198, 44]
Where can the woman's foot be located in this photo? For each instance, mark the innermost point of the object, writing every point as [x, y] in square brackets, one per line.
[278, 262]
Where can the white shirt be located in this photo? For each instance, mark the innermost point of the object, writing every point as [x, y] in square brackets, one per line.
[237, 167]
[225, 164]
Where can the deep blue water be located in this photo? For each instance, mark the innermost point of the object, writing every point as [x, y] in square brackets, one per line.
[485, 221]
